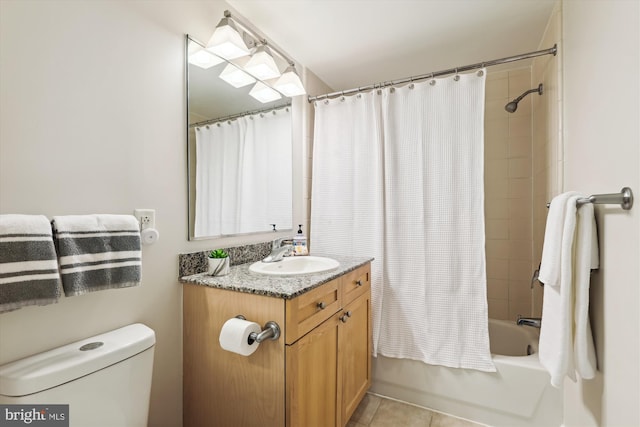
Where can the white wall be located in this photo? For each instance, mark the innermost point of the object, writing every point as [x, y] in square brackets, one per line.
[92, 120]
[601, 42]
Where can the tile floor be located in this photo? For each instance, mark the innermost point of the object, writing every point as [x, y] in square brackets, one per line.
[376, 411]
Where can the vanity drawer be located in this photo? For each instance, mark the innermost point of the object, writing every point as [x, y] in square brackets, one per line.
[355, 283]
[307, 311]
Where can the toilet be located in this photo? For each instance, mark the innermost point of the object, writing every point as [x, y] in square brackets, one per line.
[105, 379]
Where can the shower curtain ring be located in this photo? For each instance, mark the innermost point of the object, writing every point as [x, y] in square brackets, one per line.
[456, 77]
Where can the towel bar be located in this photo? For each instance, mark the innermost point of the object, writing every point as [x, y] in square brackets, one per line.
[624, 198]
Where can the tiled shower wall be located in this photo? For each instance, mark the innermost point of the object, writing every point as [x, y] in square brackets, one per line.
[508, 195]
[548, 158]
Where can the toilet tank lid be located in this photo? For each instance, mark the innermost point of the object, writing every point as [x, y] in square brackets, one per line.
[69, 362]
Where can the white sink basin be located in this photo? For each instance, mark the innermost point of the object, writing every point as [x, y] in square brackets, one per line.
[291, 266]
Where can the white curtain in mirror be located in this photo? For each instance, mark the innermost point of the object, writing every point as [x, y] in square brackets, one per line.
[243, 174]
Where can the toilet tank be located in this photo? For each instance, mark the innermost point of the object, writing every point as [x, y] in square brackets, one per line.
[105, 379]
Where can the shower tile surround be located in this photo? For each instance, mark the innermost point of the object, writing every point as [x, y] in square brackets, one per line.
[508, 195]
[523, 171]
[548, 158]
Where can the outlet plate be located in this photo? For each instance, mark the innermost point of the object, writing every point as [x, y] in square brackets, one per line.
[146, 218]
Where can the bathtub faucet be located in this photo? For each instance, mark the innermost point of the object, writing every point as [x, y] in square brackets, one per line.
[535, 322]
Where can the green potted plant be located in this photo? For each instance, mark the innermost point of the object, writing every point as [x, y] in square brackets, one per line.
[218, 263]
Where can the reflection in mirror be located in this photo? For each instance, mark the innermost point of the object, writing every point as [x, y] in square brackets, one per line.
[240, 155]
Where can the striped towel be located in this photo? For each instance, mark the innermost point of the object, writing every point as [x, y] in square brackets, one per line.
[28, 266]
[97, 252]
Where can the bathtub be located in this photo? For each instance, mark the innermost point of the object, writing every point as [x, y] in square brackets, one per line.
[518, 394]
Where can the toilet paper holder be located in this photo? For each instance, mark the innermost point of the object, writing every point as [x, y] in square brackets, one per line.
[271, 331]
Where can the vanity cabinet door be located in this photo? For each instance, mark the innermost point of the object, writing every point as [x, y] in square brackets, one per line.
[312, 377]
[354, 354]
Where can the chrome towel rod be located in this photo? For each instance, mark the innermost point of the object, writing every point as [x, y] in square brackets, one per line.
[624, 198]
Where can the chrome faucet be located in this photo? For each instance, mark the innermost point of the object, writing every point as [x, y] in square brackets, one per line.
[278, 250]
[535, 322]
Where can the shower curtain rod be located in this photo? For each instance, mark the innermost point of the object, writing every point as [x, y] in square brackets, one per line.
[236, 116]
[551, 51]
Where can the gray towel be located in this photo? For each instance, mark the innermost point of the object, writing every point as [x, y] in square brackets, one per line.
[97, 252]
[28, 266]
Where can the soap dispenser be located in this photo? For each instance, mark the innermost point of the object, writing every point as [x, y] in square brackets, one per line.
[300, 243]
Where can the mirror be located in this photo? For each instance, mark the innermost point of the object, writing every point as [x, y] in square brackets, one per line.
[239, 156]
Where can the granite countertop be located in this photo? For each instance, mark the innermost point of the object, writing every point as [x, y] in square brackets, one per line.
[242, 280]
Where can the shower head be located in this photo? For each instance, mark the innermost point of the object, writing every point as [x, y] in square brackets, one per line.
[513, 105]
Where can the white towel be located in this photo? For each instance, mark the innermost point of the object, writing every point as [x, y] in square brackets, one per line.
[556, 333]
[566, 261]
[586, 259]
[97, 252]
[28, 267]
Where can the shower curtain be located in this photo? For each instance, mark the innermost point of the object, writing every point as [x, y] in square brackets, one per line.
[398, 175]
[243, 174]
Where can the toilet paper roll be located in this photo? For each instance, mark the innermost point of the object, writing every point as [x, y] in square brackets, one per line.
[234, 336]
[149, 236]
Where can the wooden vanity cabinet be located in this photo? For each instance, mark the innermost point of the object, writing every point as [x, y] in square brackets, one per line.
[329, 369]
[315, 375]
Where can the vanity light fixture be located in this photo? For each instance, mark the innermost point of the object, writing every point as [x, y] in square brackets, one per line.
[235, 76]
[233, 46]
[226, 41]
[262, 65]
[264, 93]
[289, 84]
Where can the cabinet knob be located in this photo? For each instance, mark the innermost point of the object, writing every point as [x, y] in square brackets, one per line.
[321, 305]
[359, 282]
[345, 317]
